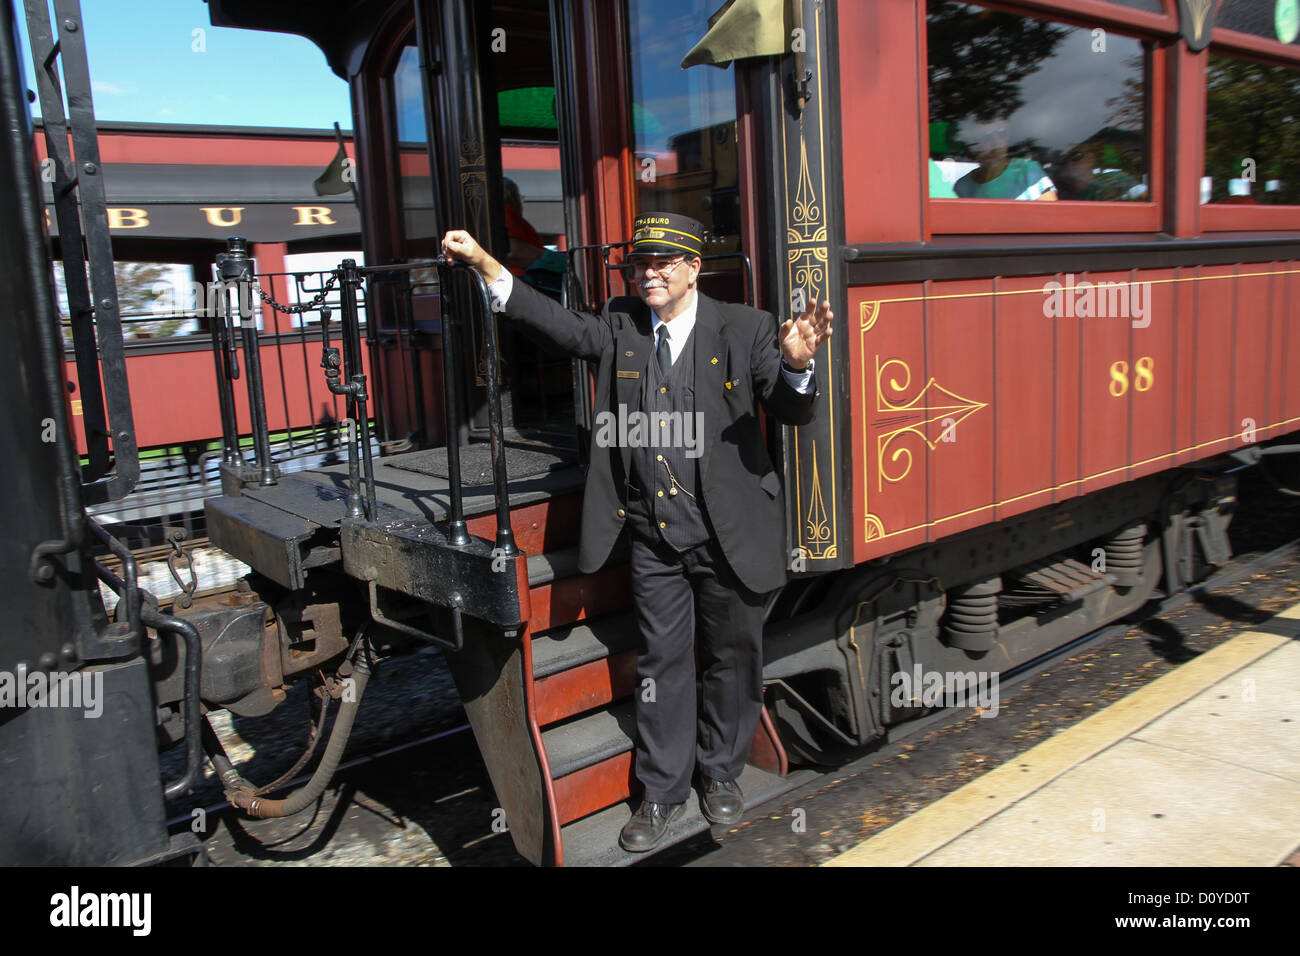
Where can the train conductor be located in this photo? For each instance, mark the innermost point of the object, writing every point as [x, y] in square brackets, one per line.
[696, 489]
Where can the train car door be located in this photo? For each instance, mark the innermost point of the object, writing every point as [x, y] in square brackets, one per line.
[581, 110]
[461, 124]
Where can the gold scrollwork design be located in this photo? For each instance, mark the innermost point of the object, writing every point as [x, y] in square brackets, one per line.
[873, 528]
[808, 272]
[904, 453]
[806, 210]
[931, 404]
[868, 313]
[810, 277]
[473, 184]
[1200, 10]
[471, 146]
[883, 403]
[818, 537]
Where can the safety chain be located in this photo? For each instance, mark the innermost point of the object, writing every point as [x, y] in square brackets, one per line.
[178, 554]
[304, 307]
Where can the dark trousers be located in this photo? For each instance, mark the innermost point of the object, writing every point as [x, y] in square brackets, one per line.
[679, 597]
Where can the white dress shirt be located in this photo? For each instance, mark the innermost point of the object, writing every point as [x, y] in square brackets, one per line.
[679, 329]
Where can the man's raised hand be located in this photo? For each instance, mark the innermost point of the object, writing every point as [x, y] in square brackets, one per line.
[458, 245]
[803, 335]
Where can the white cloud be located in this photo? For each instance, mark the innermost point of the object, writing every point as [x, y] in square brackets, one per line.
[104, 88]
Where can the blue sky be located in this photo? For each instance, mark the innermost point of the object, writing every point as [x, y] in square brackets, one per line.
[148, 65]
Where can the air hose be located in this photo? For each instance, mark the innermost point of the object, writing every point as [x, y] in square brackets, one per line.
[310, 792]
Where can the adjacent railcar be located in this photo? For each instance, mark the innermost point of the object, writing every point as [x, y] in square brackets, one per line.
[175, 193]
[1061, 256]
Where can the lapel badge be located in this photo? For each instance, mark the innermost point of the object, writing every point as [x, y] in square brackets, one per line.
[629, 353]
[728, 385]
[714, 361]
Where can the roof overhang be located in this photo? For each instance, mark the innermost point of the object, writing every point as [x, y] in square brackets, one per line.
[341, 28]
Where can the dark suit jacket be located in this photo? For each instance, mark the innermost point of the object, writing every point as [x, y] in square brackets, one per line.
[741, 489]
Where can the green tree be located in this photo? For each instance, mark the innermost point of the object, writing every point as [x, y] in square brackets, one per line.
[978, 59]
[139, 286]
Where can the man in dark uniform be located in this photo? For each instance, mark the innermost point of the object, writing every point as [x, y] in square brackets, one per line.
[678, 457]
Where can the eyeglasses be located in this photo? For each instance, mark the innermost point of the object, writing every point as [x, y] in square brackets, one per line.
[662, 267]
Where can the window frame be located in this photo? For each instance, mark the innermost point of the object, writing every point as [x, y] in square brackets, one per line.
[999, 216]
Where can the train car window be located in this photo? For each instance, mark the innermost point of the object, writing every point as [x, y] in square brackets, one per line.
[684, 120]
[528, 113]
[1271, 19]
[1023, 108]
[1252, 133]
[306, 273]
[415, 187]
[409, 99]
[158, 300]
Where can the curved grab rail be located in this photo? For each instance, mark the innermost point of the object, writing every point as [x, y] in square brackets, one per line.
[505, 539]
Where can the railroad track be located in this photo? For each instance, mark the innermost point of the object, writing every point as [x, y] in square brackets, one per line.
[216, 572]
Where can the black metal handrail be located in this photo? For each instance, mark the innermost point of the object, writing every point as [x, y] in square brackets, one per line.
[80, 198]
[235, 326]
[345, 376]
[358, 419]
[447, 268]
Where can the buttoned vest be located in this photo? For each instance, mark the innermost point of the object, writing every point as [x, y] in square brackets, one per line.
[667, 476]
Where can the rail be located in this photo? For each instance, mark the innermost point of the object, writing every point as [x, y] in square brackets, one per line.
[113, 465]
[178, 470]
[237, 325]
[447, 271]
[345, 376]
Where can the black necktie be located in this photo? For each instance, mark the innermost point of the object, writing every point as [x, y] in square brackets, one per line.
[663, 353]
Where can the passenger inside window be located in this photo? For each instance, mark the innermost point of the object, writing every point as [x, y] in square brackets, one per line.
[1000, 176]
[1090, 172]
[525, 244]
[940, 188]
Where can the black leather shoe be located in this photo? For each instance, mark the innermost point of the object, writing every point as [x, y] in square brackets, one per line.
[648, 825]
[721, 800]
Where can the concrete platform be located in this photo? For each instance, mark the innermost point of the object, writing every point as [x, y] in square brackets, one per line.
[1199, 768]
